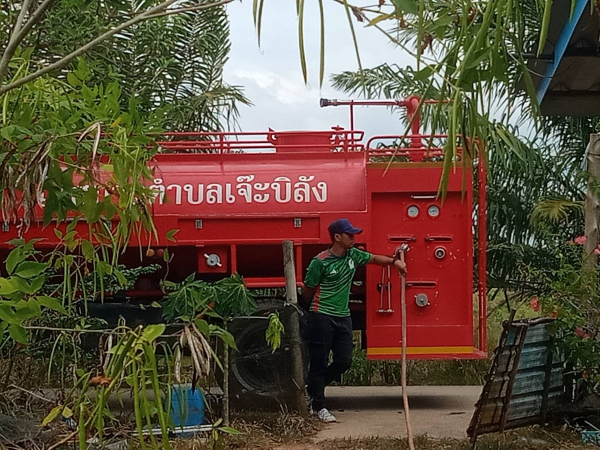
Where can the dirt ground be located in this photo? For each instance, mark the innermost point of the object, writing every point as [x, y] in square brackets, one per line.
[435, 411]
[372, 419]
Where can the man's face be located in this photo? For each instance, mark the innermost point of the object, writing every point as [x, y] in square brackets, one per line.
[346, 240]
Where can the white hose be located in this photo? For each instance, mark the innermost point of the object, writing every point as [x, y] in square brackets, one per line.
[409, 434]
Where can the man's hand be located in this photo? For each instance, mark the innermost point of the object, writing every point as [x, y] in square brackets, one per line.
[400, 267]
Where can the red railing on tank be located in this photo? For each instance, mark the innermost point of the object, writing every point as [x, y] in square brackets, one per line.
[422, 147]
[336, 140]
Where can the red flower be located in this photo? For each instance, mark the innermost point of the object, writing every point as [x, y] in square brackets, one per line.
[597, 251]
[581, 333]
[535, 304]
[554, 314]
[580, 240]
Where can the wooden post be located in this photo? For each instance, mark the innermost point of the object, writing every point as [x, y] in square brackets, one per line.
[291, 294]
[592, 207]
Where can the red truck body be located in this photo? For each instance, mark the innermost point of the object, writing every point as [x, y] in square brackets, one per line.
[234, 197]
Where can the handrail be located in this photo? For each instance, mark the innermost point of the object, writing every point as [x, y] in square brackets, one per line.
[336, 140]
[301, 142]
[415, 150]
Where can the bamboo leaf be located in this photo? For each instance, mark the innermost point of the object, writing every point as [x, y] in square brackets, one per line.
[258, 13]
[301, 40]
[380, 18]
[354, 40]
[322, 55]
[230, 430]
[545, 25]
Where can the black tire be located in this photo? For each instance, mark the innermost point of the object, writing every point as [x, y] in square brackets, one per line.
[259, 377]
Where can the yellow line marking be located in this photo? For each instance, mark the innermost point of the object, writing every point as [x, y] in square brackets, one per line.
[417, 350]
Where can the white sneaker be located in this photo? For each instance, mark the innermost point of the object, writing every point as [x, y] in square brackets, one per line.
[325, 416]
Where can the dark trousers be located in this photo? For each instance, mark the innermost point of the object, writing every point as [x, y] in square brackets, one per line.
[327, 334]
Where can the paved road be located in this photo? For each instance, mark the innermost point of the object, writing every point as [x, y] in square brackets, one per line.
[438, 411]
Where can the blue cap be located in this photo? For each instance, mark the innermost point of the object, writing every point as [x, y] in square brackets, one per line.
[342, 226]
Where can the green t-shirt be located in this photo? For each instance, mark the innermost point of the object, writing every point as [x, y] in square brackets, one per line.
[332, 276]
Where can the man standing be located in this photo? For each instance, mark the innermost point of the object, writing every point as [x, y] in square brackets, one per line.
[327, 290]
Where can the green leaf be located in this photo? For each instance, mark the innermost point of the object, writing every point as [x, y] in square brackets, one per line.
[203, 327]
[545, 25]
[51, 303]
[8, 133]
[18, 333]
[87, 249]
[406, 6]
[30, 269]
[14, 257]
[424, 74]
[7, 315]
[90, 205]
[26, 311]
[380, 18]
[210, 313]
[52, 415]
[153, 331]
[227, 338]
[230, 430]
[171, 234]
[73, 80]
[21, 285]
[82, 72]
[274, 331]
[120, 277]
[37, 283]
[67, 412]
[34, 307]
[7, 287]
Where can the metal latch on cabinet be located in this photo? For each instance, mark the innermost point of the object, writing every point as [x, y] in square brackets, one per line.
[422, 300]
[213, 260]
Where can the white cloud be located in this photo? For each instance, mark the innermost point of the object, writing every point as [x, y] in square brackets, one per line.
[272, 76]
[281, 87]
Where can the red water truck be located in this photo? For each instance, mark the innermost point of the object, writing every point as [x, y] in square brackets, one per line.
[235, 196]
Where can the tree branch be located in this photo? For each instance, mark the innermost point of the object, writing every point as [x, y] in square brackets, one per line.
[147, 15]
[189, 9]
[13, 43]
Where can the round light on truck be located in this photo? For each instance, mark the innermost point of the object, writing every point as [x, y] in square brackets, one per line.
[413, 211]
[433, 211]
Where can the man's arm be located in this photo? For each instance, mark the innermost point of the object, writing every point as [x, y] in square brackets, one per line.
[307, 295]
[381, 260]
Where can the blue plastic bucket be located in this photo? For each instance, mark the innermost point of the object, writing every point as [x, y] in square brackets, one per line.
[187, 408]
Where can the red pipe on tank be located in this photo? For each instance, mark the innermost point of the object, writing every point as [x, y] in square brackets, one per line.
[414, 117]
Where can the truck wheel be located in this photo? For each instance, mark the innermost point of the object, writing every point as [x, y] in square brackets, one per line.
[258, 376]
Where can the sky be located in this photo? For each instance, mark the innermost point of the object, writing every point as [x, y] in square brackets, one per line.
[272, 77]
